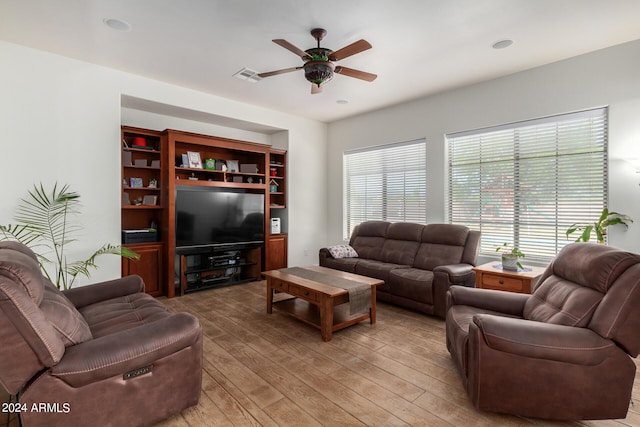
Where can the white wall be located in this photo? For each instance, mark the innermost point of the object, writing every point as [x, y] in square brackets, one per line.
[606, 77]
[60, 121]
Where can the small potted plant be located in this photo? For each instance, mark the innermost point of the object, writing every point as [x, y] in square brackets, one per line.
[510, 257]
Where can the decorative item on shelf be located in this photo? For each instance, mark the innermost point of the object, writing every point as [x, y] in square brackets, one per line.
[125, 199]
[273, 186]
[248, 168]
[210, 164]
[124, 182]
[135, 182]
[194, 159]
[599, 227]
[153, 183]
[273, 171]
[139, 142]
[150, 200]
[137, 201]
[184, 161]
[237, 179]
[140, 163]
[193, 177]
[232, 165]
[510, 257]
[126, 158]
[155, 164]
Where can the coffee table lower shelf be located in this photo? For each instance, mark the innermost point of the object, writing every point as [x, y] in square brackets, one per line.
[310, 313]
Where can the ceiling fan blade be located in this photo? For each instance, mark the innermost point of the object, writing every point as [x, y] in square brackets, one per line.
[285, 44]
[362, 75]
[352, 49]
[275, 73]
[316, 88]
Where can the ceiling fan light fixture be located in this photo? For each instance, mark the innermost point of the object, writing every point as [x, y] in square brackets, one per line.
[318, 72]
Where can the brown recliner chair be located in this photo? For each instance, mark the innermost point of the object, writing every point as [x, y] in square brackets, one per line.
[105, 354]
[562, 352]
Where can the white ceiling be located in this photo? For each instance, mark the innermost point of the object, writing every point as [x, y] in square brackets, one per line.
[420, 47]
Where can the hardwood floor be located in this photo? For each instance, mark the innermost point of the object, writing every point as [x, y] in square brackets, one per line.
[273, 370]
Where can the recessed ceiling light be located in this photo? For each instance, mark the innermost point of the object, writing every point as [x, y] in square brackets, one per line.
[117, 24]
[501, 44]
[342, 101]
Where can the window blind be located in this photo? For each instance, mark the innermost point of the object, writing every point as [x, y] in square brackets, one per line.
[526, 183]
[386, 183]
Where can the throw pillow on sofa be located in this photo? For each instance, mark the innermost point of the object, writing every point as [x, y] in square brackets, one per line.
[342, 251]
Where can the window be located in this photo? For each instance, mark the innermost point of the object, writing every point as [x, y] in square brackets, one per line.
[386, 183]
[527, 182]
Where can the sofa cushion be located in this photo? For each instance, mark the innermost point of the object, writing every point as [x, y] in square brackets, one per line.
[412, 283]
[442, 244]
[117, 314]
[66, 320]
[368, 237]
[342, 251]
[376, 269]
[401, 245]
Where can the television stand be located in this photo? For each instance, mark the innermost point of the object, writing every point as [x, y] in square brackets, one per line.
[215, 267]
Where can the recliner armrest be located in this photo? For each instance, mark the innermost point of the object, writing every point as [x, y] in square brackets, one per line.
[540, 340]
[91, 294]
[127, 350]
[510, 303]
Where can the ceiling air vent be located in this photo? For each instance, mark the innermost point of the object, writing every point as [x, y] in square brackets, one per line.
[248, 75]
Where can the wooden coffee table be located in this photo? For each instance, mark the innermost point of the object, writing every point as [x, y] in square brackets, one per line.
[315, 301]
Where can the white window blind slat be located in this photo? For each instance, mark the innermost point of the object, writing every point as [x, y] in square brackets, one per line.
[527, 182]
[385, 183]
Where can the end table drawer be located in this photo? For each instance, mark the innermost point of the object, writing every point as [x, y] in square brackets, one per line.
[493, 281]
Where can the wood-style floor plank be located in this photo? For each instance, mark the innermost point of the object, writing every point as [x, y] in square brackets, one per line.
[273, 370]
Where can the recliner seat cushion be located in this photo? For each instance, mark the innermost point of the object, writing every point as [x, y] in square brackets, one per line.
[118, 314]
[376, 269]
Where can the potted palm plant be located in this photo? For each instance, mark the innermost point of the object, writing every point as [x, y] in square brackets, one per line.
[598, 227]
[511, 256]
[43, 225]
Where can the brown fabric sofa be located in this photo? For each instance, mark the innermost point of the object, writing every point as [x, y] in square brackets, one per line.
[559, 353]
[418, 263]
[105, 354]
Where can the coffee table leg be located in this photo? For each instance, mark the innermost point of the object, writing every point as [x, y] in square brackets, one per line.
[326, 318]
[269, 296]
[372, 310]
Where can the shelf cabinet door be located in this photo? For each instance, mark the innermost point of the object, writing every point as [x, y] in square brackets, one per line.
[149, 267]
[276, 252]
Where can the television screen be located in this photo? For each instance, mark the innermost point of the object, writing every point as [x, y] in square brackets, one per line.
[218, 216]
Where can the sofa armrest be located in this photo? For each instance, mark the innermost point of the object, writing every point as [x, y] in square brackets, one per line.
[128, 350]
[540, 340]
[457, 273]
[91, 294]
[323, 254]
[510, 303]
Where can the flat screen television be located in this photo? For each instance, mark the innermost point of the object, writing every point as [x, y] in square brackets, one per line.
[212, 216]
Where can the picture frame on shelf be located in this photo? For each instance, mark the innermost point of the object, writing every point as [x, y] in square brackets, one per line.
[135, 182]
[150, 200]
[194, 160]
[232, 166]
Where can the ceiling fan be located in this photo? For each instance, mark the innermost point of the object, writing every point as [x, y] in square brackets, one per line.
[319, 65]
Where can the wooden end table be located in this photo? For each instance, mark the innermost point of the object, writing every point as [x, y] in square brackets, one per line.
[492, 276]
[315, 303]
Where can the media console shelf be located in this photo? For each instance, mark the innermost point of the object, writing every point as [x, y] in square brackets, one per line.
[217, 267]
